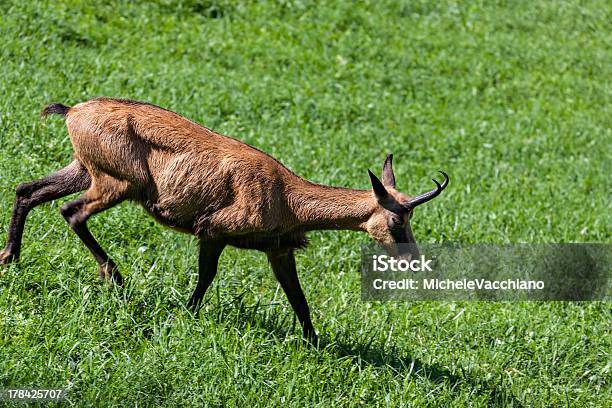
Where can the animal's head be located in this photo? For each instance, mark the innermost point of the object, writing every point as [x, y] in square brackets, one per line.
[390, 222]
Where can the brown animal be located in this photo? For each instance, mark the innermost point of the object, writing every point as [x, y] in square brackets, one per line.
[197, 181]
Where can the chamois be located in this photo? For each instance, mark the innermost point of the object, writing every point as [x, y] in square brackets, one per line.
[194, 180]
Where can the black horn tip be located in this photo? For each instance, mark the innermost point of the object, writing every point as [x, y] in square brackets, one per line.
[446, 178]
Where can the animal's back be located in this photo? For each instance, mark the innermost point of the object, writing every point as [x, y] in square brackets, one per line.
[158, 127]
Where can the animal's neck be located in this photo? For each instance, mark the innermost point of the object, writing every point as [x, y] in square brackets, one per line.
[322, 207]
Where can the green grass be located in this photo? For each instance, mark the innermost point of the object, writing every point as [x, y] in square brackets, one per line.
[512, 99]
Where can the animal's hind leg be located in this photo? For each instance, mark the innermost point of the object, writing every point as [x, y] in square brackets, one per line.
[95, 200]
[71, 179]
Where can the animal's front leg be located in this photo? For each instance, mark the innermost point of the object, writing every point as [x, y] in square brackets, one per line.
[283, 266]
[207, 270]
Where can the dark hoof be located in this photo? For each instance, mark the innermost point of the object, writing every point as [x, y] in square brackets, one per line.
[312, 338]
[110, 272]
[194, 305]
[7, 257]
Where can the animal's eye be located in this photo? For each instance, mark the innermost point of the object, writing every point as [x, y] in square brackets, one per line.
[395, 222]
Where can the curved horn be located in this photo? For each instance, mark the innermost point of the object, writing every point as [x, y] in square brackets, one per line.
[423, 198]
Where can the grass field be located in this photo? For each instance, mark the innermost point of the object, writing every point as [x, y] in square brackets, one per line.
[513, 99]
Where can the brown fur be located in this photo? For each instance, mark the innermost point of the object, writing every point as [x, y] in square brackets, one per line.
[200, 182]
[195, 180]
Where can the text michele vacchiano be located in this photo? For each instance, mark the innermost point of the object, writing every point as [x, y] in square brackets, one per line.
[385, 263]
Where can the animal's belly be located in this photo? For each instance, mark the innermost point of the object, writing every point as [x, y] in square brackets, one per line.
[266, 243]
[177, 221]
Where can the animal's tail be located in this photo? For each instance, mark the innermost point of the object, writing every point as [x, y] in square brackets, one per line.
[55, 108]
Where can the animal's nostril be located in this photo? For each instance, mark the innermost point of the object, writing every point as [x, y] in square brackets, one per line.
[406, 258]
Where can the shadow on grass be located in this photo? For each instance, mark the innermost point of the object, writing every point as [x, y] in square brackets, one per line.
[497, 391]
[240, 312]
[371, 355]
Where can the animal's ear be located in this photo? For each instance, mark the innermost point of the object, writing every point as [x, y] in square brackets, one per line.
[378, 187]
[388, 178]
